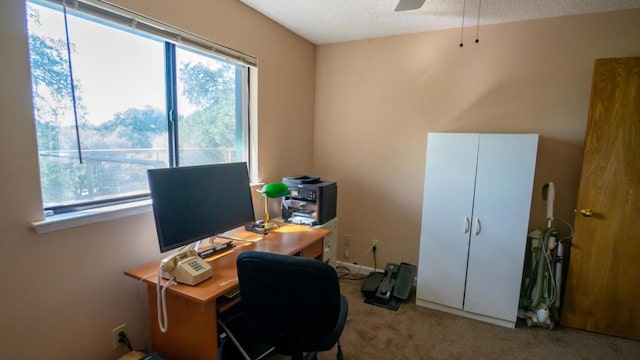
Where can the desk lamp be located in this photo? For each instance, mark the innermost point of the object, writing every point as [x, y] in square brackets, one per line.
[272, 191]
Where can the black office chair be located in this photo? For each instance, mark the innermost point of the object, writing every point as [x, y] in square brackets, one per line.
[290, 303]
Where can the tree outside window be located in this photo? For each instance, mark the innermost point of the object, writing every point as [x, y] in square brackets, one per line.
[121, 107]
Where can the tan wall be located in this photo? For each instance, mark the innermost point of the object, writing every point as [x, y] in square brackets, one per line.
[376, 100]
[63, 292]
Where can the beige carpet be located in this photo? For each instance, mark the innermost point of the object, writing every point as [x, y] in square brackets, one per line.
[415, 332]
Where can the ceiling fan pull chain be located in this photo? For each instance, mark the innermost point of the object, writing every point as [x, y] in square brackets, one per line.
[478, 24]
[464, 6]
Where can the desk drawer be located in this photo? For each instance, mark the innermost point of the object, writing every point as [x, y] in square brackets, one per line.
[313, 251]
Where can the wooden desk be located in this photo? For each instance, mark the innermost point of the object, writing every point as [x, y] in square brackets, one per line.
[192, 310]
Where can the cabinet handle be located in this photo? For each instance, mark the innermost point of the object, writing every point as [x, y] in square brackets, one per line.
[466, 224]
[477, 226]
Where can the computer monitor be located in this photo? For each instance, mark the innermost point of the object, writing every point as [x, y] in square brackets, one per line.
[195, 202]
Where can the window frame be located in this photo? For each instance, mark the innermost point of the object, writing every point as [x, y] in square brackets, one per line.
[118, 17]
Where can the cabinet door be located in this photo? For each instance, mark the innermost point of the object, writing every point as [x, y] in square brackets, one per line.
[446, 217]
[502, 201]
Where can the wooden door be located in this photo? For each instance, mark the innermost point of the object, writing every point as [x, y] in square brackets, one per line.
[502, 201]
[450, 174]
[603, 282]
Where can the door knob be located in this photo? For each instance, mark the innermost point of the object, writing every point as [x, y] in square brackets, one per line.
[586, 212]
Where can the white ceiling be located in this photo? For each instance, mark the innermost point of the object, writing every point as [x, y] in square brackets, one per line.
[333, 21]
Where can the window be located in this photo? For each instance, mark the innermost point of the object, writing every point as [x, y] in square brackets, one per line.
[117, 94]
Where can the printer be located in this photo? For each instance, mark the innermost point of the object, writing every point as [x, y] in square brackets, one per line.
[311, 201]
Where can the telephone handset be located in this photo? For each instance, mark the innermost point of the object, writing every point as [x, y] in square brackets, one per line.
[186, 267]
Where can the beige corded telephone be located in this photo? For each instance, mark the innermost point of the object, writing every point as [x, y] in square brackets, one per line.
[186, 267]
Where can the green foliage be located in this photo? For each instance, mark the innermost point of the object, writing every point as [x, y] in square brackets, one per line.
[207, 135]
[206, 87]
[48, 135]
[49, 66]
[210, 127]
[137, 128]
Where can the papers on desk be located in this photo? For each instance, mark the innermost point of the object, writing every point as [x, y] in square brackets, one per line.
[290, 228]
[301, 220]
[240, 234]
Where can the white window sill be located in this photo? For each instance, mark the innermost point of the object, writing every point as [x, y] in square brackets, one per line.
[85, 217]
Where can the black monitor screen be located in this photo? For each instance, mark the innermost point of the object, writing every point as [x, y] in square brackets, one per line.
[195, 202]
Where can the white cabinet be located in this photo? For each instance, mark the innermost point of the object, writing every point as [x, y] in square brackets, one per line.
[330, 242]
[475, 215]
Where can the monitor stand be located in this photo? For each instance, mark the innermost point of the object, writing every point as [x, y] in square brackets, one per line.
[196, 245]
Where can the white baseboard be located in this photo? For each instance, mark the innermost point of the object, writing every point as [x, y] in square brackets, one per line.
[450, 310]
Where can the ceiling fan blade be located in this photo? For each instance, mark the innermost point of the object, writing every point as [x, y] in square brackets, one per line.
[404, 5]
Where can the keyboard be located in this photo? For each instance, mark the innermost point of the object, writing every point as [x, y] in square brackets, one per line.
[217, 248]
[233, 293]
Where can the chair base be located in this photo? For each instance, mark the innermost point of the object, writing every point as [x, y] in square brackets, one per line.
[238, 331]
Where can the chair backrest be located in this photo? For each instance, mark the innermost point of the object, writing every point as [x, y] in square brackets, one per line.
[293, 302]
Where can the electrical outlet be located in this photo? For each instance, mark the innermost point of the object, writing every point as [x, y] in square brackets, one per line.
[346, 254]
[347, 240]
[374, 242]
[115, 337]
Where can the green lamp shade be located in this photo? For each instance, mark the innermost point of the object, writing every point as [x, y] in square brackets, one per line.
[270, 191]
[274, 190]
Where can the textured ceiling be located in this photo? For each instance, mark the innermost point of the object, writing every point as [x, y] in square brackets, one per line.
[332, 21]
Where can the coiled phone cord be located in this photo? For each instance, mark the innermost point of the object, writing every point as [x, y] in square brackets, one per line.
[161, 304]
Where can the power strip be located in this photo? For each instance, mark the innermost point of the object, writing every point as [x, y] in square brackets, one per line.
[355, 268]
